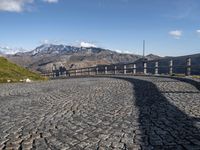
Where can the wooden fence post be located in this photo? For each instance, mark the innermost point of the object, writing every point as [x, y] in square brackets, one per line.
[54, 70]
[145, 67]
[171, 67]
[125, 69]
[156, 68]
[106, 70]
[134, 68]
[188, 71]
[97, 71]
[115, 71]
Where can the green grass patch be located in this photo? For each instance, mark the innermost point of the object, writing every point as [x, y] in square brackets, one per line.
[183, 75]
[178, 75]
[15, 73]
[196, 77]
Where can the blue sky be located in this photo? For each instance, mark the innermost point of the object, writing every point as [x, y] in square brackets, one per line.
[170, 27]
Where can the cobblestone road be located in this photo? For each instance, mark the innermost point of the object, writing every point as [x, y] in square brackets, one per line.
[100, 113]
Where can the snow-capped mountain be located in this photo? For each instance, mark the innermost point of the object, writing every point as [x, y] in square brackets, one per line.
[43, 57]
[53, 49]
[47, 49]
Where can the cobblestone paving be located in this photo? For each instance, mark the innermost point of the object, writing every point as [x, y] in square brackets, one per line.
[130, 113]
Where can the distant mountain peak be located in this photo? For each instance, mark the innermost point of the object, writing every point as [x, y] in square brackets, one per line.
[62, 49]
[152, 57]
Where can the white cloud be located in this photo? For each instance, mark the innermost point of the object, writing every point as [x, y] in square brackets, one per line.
[198, 31]
[14, 5]
[8, 50]
[123, 52]
[176, 34]
[128, 52]
[86, 44]
[51, 1]
[118, 51]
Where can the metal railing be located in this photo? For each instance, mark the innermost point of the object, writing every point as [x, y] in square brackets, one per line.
[142, 67]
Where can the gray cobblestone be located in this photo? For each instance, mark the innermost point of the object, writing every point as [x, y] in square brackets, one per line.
[100, 113]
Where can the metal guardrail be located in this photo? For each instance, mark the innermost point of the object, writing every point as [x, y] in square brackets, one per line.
[142, 67]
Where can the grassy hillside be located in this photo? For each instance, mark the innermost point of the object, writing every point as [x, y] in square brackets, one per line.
[15, 73]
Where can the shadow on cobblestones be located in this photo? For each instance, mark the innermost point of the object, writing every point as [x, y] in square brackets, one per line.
[162, 125]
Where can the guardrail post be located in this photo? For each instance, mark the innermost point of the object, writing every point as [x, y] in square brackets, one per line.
[171, 67]
[145, 67]
[156, 68]
[54, 70]
[115, 71]
[125, 69]
[134, 68]
[97, 71]
[188, 71]
[75, 72]
[88, 71]
[106, 70]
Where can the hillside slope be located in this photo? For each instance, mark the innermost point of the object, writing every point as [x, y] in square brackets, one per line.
[15, 73]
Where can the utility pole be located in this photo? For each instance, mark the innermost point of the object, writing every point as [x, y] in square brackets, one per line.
[143, 48]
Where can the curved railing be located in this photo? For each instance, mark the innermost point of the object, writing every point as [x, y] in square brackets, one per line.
[141, 67]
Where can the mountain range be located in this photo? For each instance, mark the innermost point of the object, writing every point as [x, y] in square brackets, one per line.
[43, 57]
